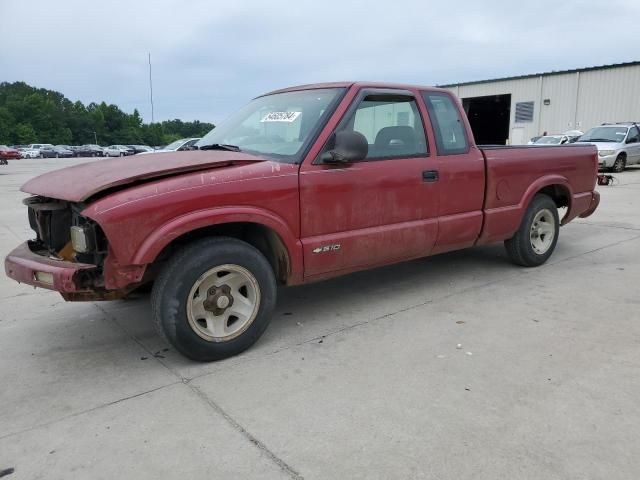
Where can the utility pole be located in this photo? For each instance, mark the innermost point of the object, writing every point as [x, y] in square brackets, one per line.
[151, 89]
[95, 137]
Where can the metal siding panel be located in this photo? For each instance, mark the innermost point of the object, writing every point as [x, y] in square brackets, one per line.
[609, 95]
[560, 90]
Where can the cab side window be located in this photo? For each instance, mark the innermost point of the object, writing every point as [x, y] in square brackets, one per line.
[634, 135]
[391, 124]
[448, 128]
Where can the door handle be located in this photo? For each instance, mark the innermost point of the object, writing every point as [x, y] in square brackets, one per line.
[430, 176]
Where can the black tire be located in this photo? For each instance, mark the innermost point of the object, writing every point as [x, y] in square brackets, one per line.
[171, 290]
[620, 164]
[520, 247]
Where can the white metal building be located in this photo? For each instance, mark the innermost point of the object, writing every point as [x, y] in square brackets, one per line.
[512, 110]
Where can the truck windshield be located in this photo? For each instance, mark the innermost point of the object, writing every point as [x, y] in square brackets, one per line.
[604, 134]
[278, 126]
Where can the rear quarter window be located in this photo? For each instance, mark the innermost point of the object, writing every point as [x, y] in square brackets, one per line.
[448, 128]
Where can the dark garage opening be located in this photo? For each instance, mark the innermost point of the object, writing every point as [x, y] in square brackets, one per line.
[489, 118]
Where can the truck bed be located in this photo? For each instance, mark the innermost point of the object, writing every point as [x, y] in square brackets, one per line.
[515, 173]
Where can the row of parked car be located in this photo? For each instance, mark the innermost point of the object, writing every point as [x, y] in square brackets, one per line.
[618, 143]
[47, 150]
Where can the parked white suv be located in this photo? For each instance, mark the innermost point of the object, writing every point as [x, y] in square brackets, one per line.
[29, 152]
[38, 147]
[618, 144]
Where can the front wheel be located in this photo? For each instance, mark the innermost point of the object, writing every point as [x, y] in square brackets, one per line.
[620, 164]
[214, 298]
[536, 239]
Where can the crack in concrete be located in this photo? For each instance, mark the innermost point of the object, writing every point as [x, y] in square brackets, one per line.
[216, 408]
[114, 320]
[604, 225]
[89, 410]
[239, 428]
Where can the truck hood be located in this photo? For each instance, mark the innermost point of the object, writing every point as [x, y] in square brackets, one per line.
[80, 182]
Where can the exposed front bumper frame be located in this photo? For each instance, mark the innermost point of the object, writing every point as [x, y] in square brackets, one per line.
[22, 265]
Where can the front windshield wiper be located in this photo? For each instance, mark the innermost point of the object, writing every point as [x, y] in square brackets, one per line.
[220, 146]
[599, 140]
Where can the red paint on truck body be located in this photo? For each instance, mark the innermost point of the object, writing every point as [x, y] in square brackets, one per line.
[378, 212]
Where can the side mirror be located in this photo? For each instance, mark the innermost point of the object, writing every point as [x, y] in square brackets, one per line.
[346, 146]
[632, 140]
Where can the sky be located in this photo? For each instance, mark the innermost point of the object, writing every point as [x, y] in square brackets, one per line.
[210, 57]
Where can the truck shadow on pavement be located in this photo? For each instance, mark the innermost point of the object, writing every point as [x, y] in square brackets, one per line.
[307, 311]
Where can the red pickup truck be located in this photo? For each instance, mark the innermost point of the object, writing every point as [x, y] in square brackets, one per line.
[300, 185]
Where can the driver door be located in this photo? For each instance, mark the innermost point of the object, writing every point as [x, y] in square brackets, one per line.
[378, 210]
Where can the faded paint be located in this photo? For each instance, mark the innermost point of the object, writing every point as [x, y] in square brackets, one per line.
[80, 182]
[379, 212]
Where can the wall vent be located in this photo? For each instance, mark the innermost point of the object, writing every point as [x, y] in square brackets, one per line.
[524, 112]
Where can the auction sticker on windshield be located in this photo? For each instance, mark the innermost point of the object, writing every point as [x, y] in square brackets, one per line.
[280, 117]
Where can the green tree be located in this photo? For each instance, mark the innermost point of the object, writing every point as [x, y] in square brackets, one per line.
[6, 125]
[24, 134]
[31, 115]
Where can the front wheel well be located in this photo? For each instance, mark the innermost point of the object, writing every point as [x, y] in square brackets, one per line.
[263, 238]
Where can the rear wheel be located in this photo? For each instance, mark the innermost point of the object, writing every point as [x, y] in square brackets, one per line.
[214, 298]
[536, 239]
[620, 163]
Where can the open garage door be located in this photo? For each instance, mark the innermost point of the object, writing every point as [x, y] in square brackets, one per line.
[489, 118]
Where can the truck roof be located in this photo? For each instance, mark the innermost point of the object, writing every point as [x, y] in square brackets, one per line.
[312, 86]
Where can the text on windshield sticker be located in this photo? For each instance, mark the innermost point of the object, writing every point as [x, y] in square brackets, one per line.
[280, 117]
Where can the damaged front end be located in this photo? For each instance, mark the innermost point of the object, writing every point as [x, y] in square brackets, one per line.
[70, 254]
[62, 233]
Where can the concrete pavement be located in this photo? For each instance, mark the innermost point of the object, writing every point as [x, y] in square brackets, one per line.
[358, 377]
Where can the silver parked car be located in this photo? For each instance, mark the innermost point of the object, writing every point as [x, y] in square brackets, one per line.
[117, 151]
[551, 140]
[177, 146]
[618, 144]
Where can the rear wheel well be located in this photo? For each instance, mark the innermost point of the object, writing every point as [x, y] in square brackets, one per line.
[558, 193]
[263, 238]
